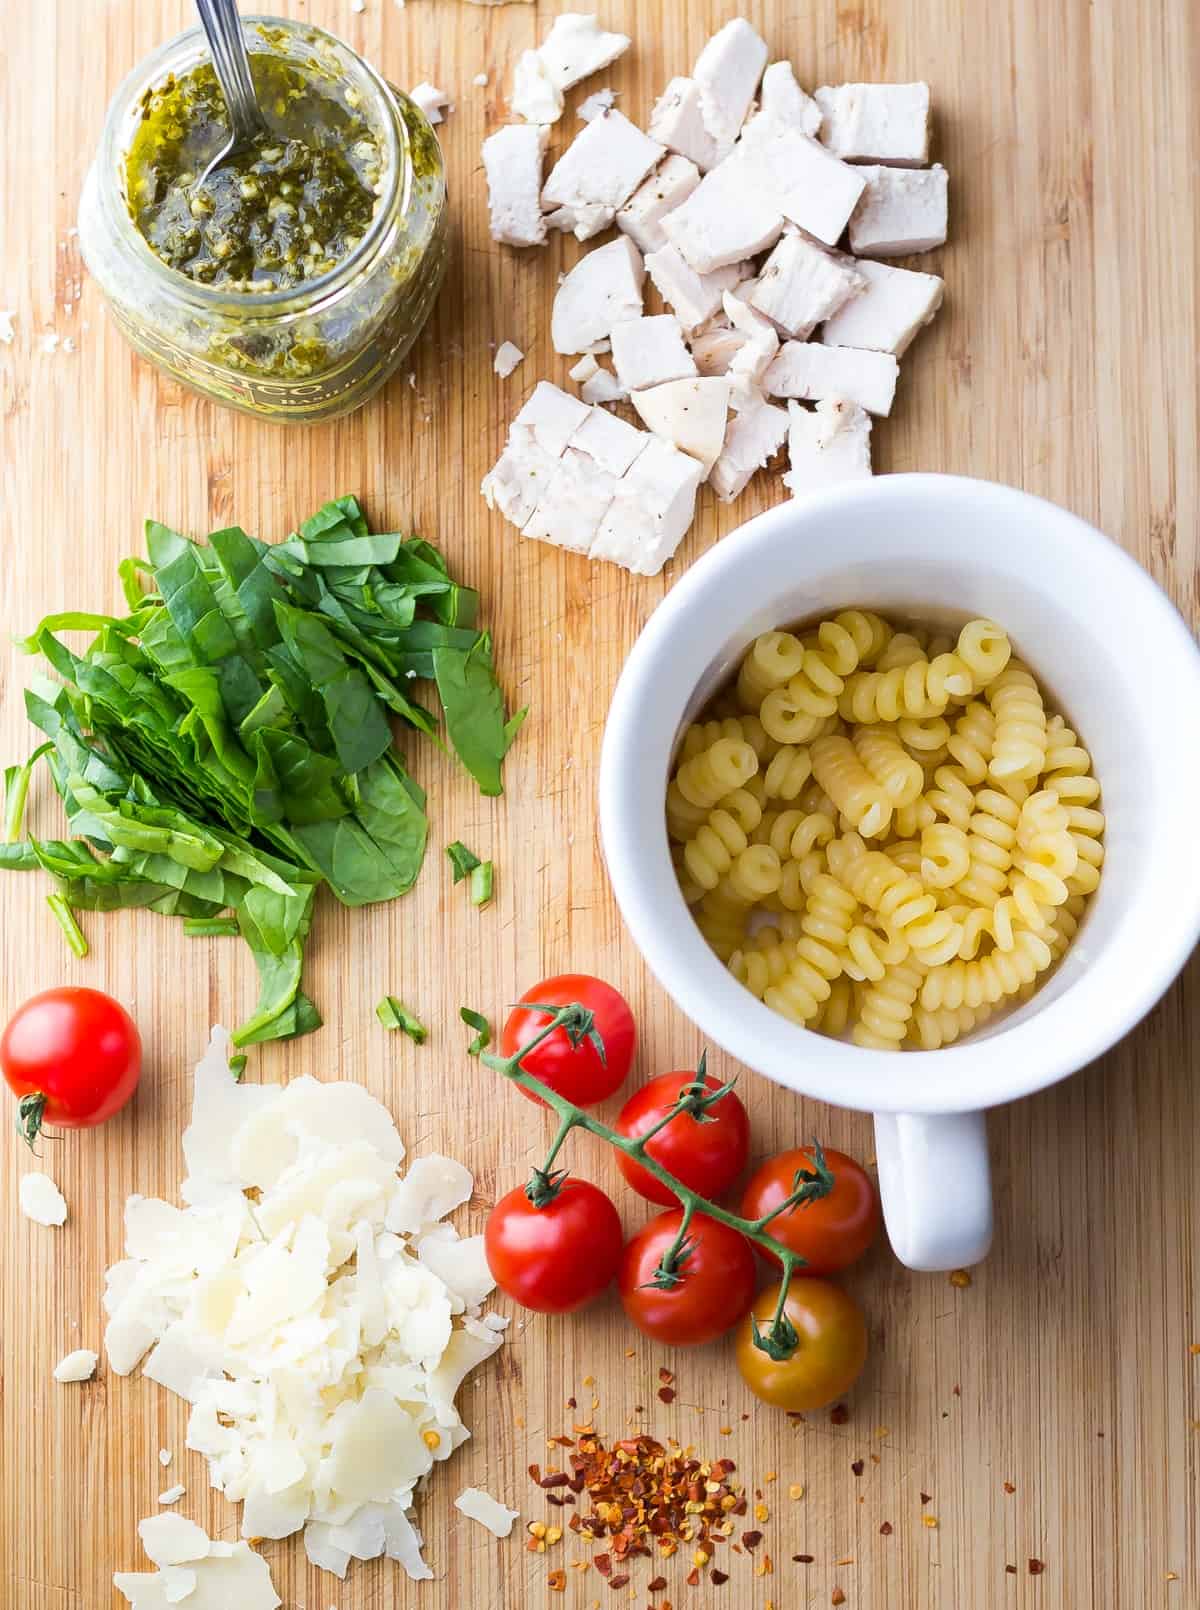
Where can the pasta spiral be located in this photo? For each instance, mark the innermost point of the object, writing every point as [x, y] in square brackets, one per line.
[991, 837]
[1019, 745]
[886, 1008]
[930, 1031]
[716, 771]
[889, 763]
[850, 786]
[989, 979]
[903, 904]
[819, 954]
[789, 769]
[760, 968]
[710, 854]
[701, 735]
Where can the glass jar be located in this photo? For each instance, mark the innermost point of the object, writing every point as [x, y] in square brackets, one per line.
[310, 352]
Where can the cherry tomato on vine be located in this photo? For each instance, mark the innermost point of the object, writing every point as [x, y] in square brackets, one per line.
[707, 1150]
[830, 1353]
[557, 1257]
[73, 1057]
[578, 1072]
[714, 1283]
[829, 1233]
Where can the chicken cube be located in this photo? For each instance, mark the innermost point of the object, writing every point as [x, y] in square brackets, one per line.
[677, 123]
[826, 444]
[535, 96]
[642, 215]
[782, 98]
[901, 211]
[599, 171]
[809, 371]
[604, 288]
[753, 438]
[726, 74]
[610, 442]
[725, 219]
[753, 358]
[553, 416]
[886, 315]
[886, 123]
[576, 47]
[801, 284]
[512, 160]
[651, 510]
[690, 414]
[694, 297]
[715, 347]
[570, 509]
[650, 351]
[801, 179]
[519, 476]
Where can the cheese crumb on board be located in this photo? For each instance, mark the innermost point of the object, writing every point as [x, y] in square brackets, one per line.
[782, 99]
[172, 1495]
[432, 101]
[508, 356]
[512, 159]
[901, 211]
[693, 297]
[599, 101]
[876, 122]
[726, 74]
[480, 80]
[801, 284]
[575, 47]
[77, 1366]
[602, 289]
[41, 1200]
[885, 316]
[667, 188]
[810, 372]
[164, 1457]
[319, 1348]
[827, 444]
[690, 414]
[754, 437]
[196, 1571]
[598, 172]
[650, 351]
[479, 1506]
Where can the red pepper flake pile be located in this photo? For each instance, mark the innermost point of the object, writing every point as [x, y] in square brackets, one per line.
[857, 1467]
[837, 1597]
[886, 1529]
[1036, 1567]
[1009, 1488]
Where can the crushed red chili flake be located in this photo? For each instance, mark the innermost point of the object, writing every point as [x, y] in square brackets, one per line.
[718, 1578]
[667, 1394]
[535, 1473]
[804, 1559]
[751, 1539]
[693, 1578]
[926, 1498]
[560, 1500]
[1009, 1488]
[1036, 1567]
[837, 1597]
[621, 1581]
[656, 1584]
[857, 1467]
[572, 1404]
[886, 1529]
[1011, 1570]
[559, 1479]
[957, 1390]
[603, 1564]
[666, 1376]
[839, 1414]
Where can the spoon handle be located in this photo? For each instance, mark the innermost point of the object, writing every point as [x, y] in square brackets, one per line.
[223, 28]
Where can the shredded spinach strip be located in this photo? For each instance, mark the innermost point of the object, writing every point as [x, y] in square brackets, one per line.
[227, 747]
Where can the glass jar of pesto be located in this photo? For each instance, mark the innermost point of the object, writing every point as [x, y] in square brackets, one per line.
[294, 281]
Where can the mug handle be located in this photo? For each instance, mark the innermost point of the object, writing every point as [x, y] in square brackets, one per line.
[935, 1186]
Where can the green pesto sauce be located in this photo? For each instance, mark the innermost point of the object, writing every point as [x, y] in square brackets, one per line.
[275, 214]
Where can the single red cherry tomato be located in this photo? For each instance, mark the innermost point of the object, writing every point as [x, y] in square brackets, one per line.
[578, 1072]
[830, 1353]
[558, 1257]
[714, 1288]
[72, 1057]
[707, 1150]
[829, 1233]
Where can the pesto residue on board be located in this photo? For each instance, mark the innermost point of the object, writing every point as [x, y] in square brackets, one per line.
[275, 214]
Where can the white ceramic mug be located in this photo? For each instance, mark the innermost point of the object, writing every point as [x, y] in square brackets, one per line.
[1111, 651]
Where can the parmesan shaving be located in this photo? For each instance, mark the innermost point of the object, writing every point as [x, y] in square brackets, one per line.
[479, 1506]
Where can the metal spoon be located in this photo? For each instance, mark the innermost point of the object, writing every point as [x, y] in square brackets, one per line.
[223, 29]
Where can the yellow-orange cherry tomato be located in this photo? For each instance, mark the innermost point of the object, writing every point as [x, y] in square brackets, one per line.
[830, 1355]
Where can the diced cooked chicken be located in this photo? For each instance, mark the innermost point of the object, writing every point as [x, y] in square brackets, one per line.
[810, 372]
[799, 177]
[584, 369]
[677, 123]
[612, 443]
[753, 358]
[650, 351]
[603, 387]
[571, 507]
[876, 122]
[553, 416]
[604, 288]
[576, 47]
[801, 284]
[535, 96]
[651, 510]
[667, 188]
[714, 348]
[725, 219]
[512, 160]
[782, 99]
[693, 297]
[886, 315]
[826, 444]
[600, 101]
[508, 356]
[753, 438]
[901, 211]
[726, 74]
[690, 414]
[599, 171]
[519, 476]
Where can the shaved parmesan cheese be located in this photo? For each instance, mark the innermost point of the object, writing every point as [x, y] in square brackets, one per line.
[77, 1366]
[320, 1347]
[164, 1457]
[479, 1506]
[172, 1494]
[41, 1200]
[432, 101]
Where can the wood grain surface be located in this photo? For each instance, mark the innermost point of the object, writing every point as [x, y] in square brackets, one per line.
[1064, 362]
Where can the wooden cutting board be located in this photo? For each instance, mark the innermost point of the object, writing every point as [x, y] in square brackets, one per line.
[1064, 362]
